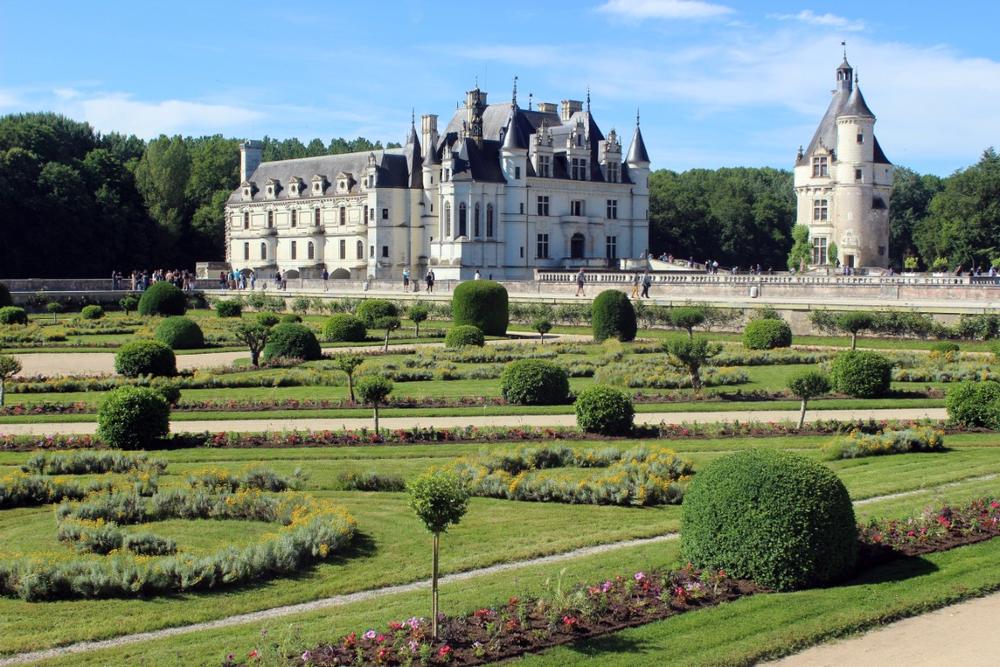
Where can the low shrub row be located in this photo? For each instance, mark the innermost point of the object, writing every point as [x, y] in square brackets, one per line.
[857, 445]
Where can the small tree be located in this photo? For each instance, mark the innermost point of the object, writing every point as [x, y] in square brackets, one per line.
[55, 308]
[128, 303]
[440, 500]
[911, 263]
[854, 322]
[348, 363]
[805, 385]
[801, 251]
[833, 254]
[418, 313]
[301, 305]
[687, 318]
[690, 355]
[373, 390]
[390, 324]
[542, 326]
[940, 264]
[254, 335]
[9, 367]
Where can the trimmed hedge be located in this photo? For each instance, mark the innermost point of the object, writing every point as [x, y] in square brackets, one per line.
[292, 341]
[92, 312]
[464, 335]
[344, 328]
[974, 404]
[229, 308]
[145, 357]
[482, 304]
[133, 418]
[268, 318]
[5, 297]
[764, 334]
[604, 410]
[162, 298]
[13, 315]
[780, 519]
[370, 310]
[180, 333]
[861, 374]
[291, 318]
[613, 316]
[534, 382]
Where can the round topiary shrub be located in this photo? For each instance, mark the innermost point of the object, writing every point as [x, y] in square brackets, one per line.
[370, 310]
[861, 374]
[13, 315]
[162, 298]
[229, 308]
[534, 382]
[464, 334]
[767, 334]
[92, 312]
[974, 404]
[613, 316]
[344, 328]
[145, 357]
[482, 304]
[780, 519]
[5, 297]
[268, 318]
[292, 341]
[133, 418]
[291, 318]
[605, 410]
[180, 333]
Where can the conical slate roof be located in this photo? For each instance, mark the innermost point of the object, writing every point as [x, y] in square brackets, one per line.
[514, 138]
[856, 105]
[637, 151]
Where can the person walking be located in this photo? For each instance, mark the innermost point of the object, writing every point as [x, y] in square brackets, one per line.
[429, 279]
[406, 279]
[581, 280]
[635, 286]
[326, 280]
[647, 282]
[477, 276]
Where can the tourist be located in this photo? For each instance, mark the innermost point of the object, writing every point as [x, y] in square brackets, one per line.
[222, 280]
[581, 279]
[429, 279]
[326, 279]
[647, 282]
[406, 278]
[277, 280]
[477, 276]
[253, 280]
[635, 286]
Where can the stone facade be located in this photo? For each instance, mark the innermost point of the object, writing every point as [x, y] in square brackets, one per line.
[501, 190]
[843, 182]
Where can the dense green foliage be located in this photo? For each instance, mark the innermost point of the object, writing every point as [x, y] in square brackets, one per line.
[292, 341]
[612, 316]
[483, 304]
[162, 298]
[344, 328]
[439, 499]
[92, 312]
[690, 355]
[13, 315]
[780, 519]
[808, 384]
[534, 382]
[464, 335]
[861, 374]
[761, 334]
[974, 404]
[370, 310]
[180, 333]
[373, 389]
[133, 418]
[229, 308]
[268, 318]
[687, 318]
[145, 357]
[604, 410]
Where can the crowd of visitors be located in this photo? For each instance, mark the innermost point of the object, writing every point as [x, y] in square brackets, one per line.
[140, 280]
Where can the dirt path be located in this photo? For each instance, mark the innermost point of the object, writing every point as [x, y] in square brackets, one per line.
[318, 424]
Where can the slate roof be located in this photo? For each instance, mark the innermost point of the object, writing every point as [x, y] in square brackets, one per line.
[856, 105]
[637, 151]
[845, 102]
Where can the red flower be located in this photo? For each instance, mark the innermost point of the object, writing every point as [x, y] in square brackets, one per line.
[569, 621]
[253, 655]
[444, 651]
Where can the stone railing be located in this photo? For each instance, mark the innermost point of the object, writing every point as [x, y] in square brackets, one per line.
[680, 278]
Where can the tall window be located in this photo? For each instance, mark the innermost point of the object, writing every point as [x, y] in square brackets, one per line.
[246, 251]
[542, 246]
[820, 210]
[246, 221]
[577, 207]
[543, 205]
[343, 215]
[861, 137]
[475, 221]
[371, 252]
[611, 247]
[517, 173]
[361, 249]
[385, 251]
[819, 250]
[365, 215]
[263, 251]
[294, 253]
[859, 175]
[385, 214]
[578, 169]
[612, 209]
[311, 250]
[447, 219]
[489, 221]
[317, 217]
[614, 172]
[294, 217]
[270, 219]
[821, 167]
[463, 223]
[544, 166]
[343, 249]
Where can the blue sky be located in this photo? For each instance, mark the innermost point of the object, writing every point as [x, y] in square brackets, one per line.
[718, 83]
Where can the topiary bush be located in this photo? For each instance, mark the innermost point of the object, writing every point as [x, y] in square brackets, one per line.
[5, 297]
[613, 316]
[13, 315]
[534, 382]
[180, 333]
[464, 335]
[370, 310]
[162, 298]
[780, 519]
[604, 410]
[344, 328]
[763, 334]
[974, 404]
[133, 418]
[292, 341]
[483, 304]
[861, 374]
[145, 357]
[229, 308]
[92, 312]
[268, 318]
[291, 318]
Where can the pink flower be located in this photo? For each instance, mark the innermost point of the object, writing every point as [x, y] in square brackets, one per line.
[444, 651]
[307, 656]
[370, 634]
[606, 586]
[639, 576]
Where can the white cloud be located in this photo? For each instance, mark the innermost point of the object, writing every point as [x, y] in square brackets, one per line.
[828, 20]
[664, 9]
[121, 113]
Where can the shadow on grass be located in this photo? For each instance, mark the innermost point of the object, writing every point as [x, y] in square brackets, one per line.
[608, 644]
[881, 565]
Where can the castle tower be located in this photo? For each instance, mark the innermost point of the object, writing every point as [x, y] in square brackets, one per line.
[843, 182]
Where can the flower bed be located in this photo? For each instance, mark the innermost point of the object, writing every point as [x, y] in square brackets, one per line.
[933, 530]
[858, 444]
[960, 372]
[640, 374]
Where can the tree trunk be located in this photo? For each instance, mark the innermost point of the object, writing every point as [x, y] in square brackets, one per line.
[691, 334]
[386, 340]
[376, 418]
[434, 589]
[854, 340]
[1, 392]
[255, 356]
[695, 379]
[350, 385]
[416, 329]
[802, 414]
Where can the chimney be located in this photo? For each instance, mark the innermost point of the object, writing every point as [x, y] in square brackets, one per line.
[546, 107]
[568, 108]
[250, 154]
[428, 132]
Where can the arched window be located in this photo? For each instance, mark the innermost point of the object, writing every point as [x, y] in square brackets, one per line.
[463, 223]
[447, 220]
[489, 221]
[246, 221]
[311, 250]
[263, 251]
[577, 246]
[343, 215]
[293, 250]
[294, 217]
[316, 217]
[361, 249]
[475, 221]
[270, 219]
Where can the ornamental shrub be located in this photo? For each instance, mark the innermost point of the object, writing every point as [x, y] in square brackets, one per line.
[780, 519]
[229, 308]
[128, 303]
[370, 310]
[687, 318]
[133, 418]
[344, 328]
[92, 312]
[534, 382]
[292, 341]
[604, 410]
[974, 404]
[613, 316]
[268, 318]
[180, 333]
[464, 335]
[145, 357]
[162, 298]
[13, 315]
[291, 318]
[763, 334]
[483, 304]
[944, 352]
[5, 298]
[861, 374]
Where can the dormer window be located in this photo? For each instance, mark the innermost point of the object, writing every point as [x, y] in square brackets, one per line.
[248, 189]
[246, 192]
[295, 186]
[318, 185]
[613, 172]
[821, 167]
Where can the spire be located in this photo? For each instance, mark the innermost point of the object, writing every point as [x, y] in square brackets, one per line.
[637, 154]
[411, 138]
[531, 96]
[588, 99]
[513, 96]
[844, 72]
[513, 138]
[856, 105]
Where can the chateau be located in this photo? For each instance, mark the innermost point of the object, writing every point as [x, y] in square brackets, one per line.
[843, 182]
[501, 189]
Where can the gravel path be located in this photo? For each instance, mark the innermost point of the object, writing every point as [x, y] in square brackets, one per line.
[318, 424]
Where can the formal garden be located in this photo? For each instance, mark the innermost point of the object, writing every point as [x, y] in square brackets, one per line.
[571, 519]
